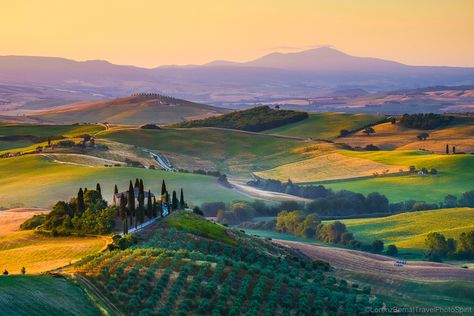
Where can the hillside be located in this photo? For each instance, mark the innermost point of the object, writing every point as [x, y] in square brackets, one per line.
[325, 125]
[231, 152]
[177, 271]
[255, 119]
[136, 109]
[454, 176]
[388, 136]
[409, 230]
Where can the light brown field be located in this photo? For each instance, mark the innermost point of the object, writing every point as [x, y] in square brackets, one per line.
[39, 253]
[330, 166]
[389, 137]
[363, 262]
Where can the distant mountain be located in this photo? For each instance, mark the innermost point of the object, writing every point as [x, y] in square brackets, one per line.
[307, 74]
[319, 59]
[137, 109]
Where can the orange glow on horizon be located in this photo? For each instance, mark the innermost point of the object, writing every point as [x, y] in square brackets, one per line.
[152, 33]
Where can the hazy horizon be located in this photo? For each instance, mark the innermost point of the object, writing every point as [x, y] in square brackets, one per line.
[149, 34]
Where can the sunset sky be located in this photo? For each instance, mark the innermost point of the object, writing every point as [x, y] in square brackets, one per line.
[151, 33]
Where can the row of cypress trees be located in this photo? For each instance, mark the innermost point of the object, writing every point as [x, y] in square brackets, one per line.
[135, 214]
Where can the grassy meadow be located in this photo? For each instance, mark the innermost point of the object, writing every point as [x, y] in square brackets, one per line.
[409, 230]
[324, 125]
[454, 176]
[43, 295]
[25, 130]
[36, 181]
[231, 152]
[39, 253]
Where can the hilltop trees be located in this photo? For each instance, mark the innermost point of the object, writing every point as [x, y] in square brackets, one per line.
[425, 120]
[423, 136]
[81, 207]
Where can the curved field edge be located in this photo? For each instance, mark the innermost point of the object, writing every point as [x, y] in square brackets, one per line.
[454, 176]
[43, 295]
[409, 230]
[36, 181]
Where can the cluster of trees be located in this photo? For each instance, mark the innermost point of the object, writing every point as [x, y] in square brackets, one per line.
[310, 226]
[307, 191]
[440, 247]
[86, 213]
[255, 119]
[131, 214]
[424, 120]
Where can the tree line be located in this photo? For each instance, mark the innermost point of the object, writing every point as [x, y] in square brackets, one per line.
[256, 119]
[425, 120]
[440, 247]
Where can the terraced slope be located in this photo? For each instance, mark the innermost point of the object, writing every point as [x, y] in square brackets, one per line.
[174, 272]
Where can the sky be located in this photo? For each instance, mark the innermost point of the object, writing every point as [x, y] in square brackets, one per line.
[150, 33]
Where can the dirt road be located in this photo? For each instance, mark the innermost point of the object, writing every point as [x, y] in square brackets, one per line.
[358, 261]
[265, 195]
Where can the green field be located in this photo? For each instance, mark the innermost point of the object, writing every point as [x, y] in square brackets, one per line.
[409, 230]
[43, 295]
[41, 131]
[324, 125]
[228, 151]
[34, 180]
[194, 224]
[455, 176]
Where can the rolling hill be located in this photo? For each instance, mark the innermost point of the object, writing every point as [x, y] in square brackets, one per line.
[136, 109]
[409, 230]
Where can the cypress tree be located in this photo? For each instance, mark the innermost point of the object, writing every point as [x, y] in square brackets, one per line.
[149, 206]
[123, 213]
[174, 201]
[163, 187]
[141, 185]
[115, 189]
[98, 189]
[131, 202]
[81, 206]
[137, 183]
[160, 208]
[182, 204]
[454, 149]
[447, 149]
[155, 208]
[85, 190]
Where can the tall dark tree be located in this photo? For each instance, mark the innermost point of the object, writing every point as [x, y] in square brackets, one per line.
[140, 215]
[81, 206]
[115, 189]
[85, 190]
[163, 187]
[454, 149]
[149, 206]
[141, 184]
[155, 208]
[174, 201]
[123, 213]
[447, 149]
[98, 189]
[137, 183]
[182, 204]
[131, 202]
[141, 195]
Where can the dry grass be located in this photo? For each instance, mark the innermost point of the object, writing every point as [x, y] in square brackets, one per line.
[39, 253]
[389, 136]
[330, 166]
